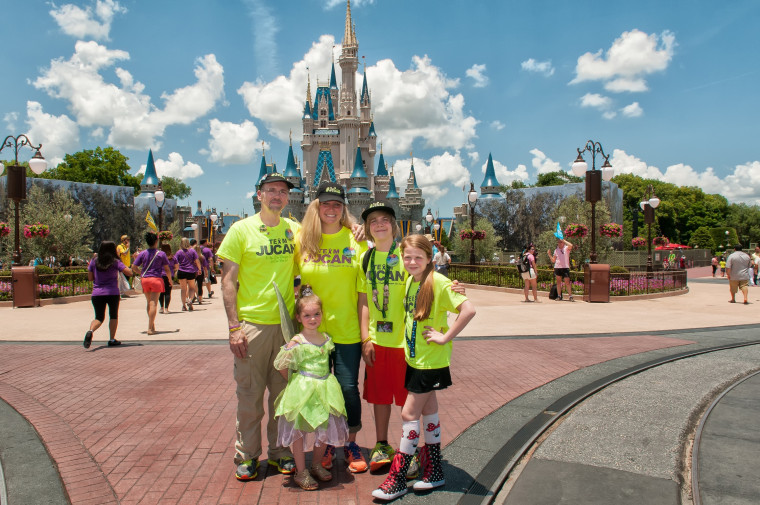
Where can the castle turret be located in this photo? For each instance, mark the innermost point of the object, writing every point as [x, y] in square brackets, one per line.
[490, 186]
[150, 181]
[359, 196]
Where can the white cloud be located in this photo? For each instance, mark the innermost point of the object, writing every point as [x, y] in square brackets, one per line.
[599, 102]
[10, 118]
[742, 185]
[175, 167]
[356, 3]
[632, 110]
[540, 67]
[84, 23]
[542, 163]
[477, 74]
[474, 156]
[435, 176]
[632, 56]
[133, 121]
[408, 105]
[58, 135]
[232, 143]
[497, 125]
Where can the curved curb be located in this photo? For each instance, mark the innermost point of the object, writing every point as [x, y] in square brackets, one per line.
[67, 454]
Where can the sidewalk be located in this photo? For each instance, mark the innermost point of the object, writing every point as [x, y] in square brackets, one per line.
[153, 422]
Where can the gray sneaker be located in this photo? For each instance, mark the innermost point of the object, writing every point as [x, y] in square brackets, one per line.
[247, 470]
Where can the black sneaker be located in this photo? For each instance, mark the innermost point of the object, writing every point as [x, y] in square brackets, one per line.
[114, 343]
[87, 339]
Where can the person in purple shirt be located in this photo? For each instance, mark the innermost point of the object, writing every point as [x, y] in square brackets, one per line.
[151, 265]
[199, 278]
[103, 272]
[211, 267]
[165, 298]
[189, 268]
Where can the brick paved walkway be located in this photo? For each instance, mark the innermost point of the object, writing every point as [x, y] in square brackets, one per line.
[155, 423]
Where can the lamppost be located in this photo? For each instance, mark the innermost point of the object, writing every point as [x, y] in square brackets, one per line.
[727, 243]
[194, 226]
[429, 221]
[16, 181]
[593, 183]
[160, 198]
[418, 226]
[472, 197]
[213, 217]
[648, 205]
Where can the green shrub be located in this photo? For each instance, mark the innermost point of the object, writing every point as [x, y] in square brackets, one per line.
[617, 269]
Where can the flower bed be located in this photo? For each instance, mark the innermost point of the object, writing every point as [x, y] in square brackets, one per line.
[472, 234]
[50, 285]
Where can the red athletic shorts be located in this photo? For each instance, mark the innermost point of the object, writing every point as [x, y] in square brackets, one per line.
[384, 381]
[153, 284]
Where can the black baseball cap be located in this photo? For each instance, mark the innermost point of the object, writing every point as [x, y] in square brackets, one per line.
[275, 177]
[331, 192]
[378, 206]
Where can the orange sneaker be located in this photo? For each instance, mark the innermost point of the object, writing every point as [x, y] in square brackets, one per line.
[355, 458]
[327, 459]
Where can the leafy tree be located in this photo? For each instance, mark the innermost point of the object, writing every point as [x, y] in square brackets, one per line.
[68, 237]
[101, 166]
[702, 238]
[519, 218]
[746, 220]
[556, 179]
[175, 188]
[483, 248]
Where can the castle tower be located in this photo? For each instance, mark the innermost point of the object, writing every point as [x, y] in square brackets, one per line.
[381, 176]
[490, 186]
[412, 204]
[295, 198]
[150, 180]
[358, 194]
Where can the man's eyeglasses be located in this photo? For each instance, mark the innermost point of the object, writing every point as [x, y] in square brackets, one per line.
[275, 192]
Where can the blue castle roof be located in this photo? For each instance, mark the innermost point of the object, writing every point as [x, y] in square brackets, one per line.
[323, 91]
[324, 161]
[150, 178]
[306, 109]
[333, 80]
[414, 177]
[490, 181]
[392, 193]
[290, 167]
[381, 170]
[372, 129]
[365, 92]
[262, 170]
[359, 172]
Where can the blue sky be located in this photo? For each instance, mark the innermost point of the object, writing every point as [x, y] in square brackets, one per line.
[668, 88]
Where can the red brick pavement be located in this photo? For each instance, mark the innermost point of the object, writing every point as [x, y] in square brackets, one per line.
[155, 423]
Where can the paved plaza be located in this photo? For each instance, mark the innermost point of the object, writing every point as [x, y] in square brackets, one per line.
[153, 421]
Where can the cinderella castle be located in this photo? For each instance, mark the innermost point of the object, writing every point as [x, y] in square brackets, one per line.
[339, 145]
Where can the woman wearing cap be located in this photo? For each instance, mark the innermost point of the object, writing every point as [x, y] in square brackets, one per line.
[327, 256]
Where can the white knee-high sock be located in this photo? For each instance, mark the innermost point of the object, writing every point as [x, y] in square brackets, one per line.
[432, 428]
[410, 437]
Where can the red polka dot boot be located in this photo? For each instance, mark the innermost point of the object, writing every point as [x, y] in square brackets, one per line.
[432, 469]
[395, 484]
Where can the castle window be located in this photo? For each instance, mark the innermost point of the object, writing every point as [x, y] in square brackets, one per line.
[349, 112]
[323, 124]
[323, 112]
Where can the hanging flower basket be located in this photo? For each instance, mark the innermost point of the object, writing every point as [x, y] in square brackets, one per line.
[576, 230]
[165, 235]
[638, 241]
[472, 234]
[660, 241]
[36, 230]
[611, 230]
[4, 229]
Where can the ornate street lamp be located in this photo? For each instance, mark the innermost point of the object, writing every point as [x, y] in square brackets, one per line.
[648, 205]
[593, 183]
[213, 217]
[418, 227]
[16, 181]
[160, 198]
[472, 197]
[429, 220]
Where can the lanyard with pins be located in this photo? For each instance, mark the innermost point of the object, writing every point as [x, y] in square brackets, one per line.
[412, 342]
[372, 274]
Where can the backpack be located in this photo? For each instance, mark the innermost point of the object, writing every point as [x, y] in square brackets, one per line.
[523, 265]
[553, 295]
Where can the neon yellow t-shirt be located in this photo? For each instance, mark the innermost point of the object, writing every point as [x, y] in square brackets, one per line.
[335, 277]
[430, 356]
[391, 326]
[264, 254]
[124, 255]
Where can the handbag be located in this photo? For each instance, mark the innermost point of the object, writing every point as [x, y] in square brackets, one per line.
[212, 277]
[137, 282]
[123, 284]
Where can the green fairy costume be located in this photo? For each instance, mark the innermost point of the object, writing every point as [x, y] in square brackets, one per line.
[312, 402]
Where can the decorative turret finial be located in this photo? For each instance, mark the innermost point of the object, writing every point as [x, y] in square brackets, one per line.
[347, 32]
[263, 153]
[308, 87]
[291, 137]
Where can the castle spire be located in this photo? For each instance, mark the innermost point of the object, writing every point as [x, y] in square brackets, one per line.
[490, 186]
[349, 37]
[150, 180]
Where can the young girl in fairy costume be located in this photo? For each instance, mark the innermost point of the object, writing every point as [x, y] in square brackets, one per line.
[312, 401]
[428, 338]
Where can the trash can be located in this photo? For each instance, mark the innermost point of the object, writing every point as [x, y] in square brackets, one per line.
[596, 283]
[25, 287]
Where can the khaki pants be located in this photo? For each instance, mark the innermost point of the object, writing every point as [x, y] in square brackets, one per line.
[253, 375]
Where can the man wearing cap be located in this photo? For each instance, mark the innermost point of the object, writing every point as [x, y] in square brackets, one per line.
[738, 269]
[256, 251]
